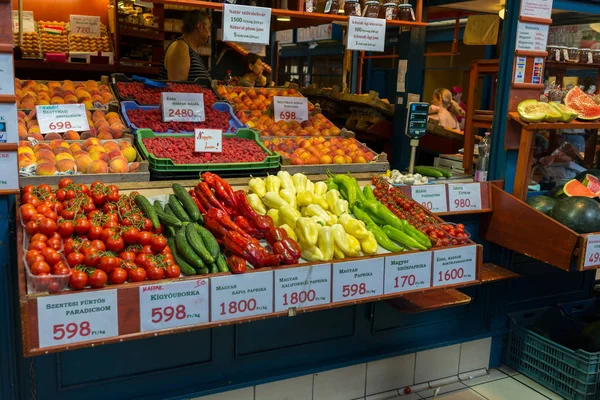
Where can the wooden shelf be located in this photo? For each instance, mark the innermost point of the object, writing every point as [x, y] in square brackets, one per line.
[431, 300]
[41, 64]
[569, 65]
[554, 125]
[494, 273]
[150, 35]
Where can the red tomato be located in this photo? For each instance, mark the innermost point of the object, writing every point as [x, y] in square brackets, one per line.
[65, 228]
[136, 275]
[89, 206]
[32, 227]
[98, 278]
[82, 225]
[75, 259]
[109, 208]
[37, 245]
[118, 276]
[27, 212]
[91, 257]
[96, 183]
[68, 214]
[70, 194]
[128, 265]
[52, 257]
[109, 263]
[159, 230]
[27, 189]
[40, 267]
[166, 250]
[155, 273]
[148, 225]
[172, 271]
[113, 196]
[147, 250]
[32, 256]
[127, 256]
[115, 243]
[158, 243]
[140, 259]
[40, 237]
[95, 232]
[145, 238]
[54, 243]
[64, 182]
[107, 233]
[78, 280]
[60, 268]
[150, 262]
[45, 187]
[111, 224]
[48, 226]
[61, 194]
[131, 236]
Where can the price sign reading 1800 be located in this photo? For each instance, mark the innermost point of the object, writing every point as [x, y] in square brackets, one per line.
[290, 108]
[302, 287]
[455, 265]
[77, 317]
[464, 196]
[171, 305]
[357, 279]
[238, 296]
[592, 251]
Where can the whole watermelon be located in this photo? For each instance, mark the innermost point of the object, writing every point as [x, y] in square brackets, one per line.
[580, 214]
[557, 192]
[543, 204]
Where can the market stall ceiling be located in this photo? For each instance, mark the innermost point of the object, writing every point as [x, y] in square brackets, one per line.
[478, 6]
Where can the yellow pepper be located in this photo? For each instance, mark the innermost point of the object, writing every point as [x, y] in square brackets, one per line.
[299, 180]
[289, 215]
[256, 203]
[257, 186]
[314, 209]
[310, 186]
[274, 214]
[338, 254]
[369, 245]
[304, 198]
[353, 226]
[354, 246]
[286, 181]
[332, 217]
[272, 183]
[307, 231]
[340, 207]
[288, 196]
[290, 231]
[319, 220]
[340, 237]
[273, 200]
[320, 188]
[311, 253]
[332, 197]
[326, 243]
[320, 201]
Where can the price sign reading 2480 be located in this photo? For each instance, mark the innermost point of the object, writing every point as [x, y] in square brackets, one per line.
[290, 108]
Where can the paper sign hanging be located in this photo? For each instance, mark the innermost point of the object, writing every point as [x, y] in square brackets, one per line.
[531, 37]
[246, 24]
[28, 21]
[482, 30]
[86, 25]
[208, 140]
[367, 34]
[536, 8]
[290, 108]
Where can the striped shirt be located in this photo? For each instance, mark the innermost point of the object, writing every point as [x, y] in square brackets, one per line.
[197, 67]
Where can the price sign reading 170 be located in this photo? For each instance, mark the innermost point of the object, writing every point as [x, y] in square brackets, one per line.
[290, 108]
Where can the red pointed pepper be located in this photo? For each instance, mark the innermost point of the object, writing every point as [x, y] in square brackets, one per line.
[288, 249]
[237, 265]
[222, 189]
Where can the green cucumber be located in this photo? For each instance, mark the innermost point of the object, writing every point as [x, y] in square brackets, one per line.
[169, 211]
[428, 171]
[164, 218]
[178, 209]
[148, 209]
[186, 251]
[209, 241]
[188, 203]
[185, 268]
[222, 263]
[157, 206]
[170, 231]
[214, 269]
[195, 241]
[444, 172]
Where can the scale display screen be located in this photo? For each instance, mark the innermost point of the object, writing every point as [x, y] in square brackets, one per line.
[416, 126]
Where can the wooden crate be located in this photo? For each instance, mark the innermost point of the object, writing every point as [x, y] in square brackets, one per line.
[379, 166]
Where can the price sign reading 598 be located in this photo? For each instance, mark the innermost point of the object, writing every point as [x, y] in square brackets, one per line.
[290, 108]
[357, 279]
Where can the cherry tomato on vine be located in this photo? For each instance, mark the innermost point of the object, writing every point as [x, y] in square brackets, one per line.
[155, 273]
[145, 238]
[172, 271]
[109, 263]
[64, 182]
[75, 259]
[158, 243]
[115, 243]
[117, 276]
[136, 275]
[98, 278]
[95, 232]
[78, 280]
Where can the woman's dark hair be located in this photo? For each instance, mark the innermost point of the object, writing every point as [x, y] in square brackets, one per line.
[191, 18]
[251, 58]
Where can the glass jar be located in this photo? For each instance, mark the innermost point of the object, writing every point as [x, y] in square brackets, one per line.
[596, 56]
[405, 12]
[573, 54]
[352, 8]
[550, 49]
[332, 7]
[371, 9]
[564, 53]
[585, 56]
[389, 11]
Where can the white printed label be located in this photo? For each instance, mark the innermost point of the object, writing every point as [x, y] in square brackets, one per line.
[407, 272]
[87, 25]
[171, 305]
[432, 197]
[7, 74]
[592, 251]
[531, 37]
[453, 266]
[9, 179]
[77, 317]
[208, 140]
[62, 118]
[290, 108]
[246, 24]
[464, 196]
[366, 34]
[182, 107]
[536, 8]
[238, 296]
[28, 21]
[8, 123]
[302, 287]
[357, 279]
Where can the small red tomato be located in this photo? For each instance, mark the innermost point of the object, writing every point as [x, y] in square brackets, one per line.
[118, 276]
[60, 269]
[54, 243]
[115, 244]
[78, 280]
[150, 262]
[136, 275]
[155, 273]
[95, 232]
[158, 243]
[140, 259]
[38, 236]
[37, 245]
[147, 250]
[127, 256]
[65, 228]
[98, 278]
[98, 244]
[148, 226]
[64, 182]
[48, 226]
[82, 225]
[172, 271]
[145, 238]
[52, 257]
[75, 259]
[131, 236]
[40, 267]
[109, 263]
[91, 257]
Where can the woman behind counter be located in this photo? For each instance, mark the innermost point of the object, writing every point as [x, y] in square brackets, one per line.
[181, 61]
[445, 110]
[254, 70]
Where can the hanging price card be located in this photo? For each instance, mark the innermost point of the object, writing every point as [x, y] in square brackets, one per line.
[171, 305]
[246, 24]
[407, 272]
[7, 74]
[366, 34]
[28, 21]
[432, 197]
[182, 107]
[290, 108]
[592, 251]
[62, 118]
[208, 140]
[77, 317]
[87, 25]
[531, 36]
[536, 8]
[238, 296]
[8, 123]
[464, 196]
[456, 265]
[302, 287]
[9, 179]
[357, 279]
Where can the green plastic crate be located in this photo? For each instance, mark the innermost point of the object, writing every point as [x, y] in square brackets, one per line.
[540, 346]
[167, 165]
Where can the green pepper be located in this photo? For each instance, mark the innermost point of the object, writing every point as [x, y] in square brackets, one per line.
[362, 215]
[360, 197]
[379, 212]
[368, 193]
[417, 235]
[331, 185]
[402, 238]
[383, 240]
[346, 185]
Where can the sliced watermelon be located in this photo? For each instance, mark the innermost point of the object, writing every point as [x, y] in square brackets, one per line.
[592, 183]
[574, 188]
[582, 103]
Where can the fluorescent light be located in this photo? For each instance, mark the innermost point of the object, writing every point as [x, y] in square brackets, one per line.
[284, 19]
[501, 13]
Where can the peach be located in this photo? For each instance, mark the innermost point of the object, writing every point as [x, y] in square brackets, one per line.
[88, 104]
[115, 153]
[25, 143]
[105, 136]
[74, 147]
[118, 166]
[25, 150]
[60, 150]
[339, 159]
[96, 155]
[70, 99]
[42, 146]
[78, 153]
[71, 135]
[53, 136]
[63, 156]
[57, 100]
[325, 159]
[97, 114]
[98, 123]
[130, 154]
[111, 114]
[65, 165]
[97, 167]
[82, 162]
[25, 161]
[87, 134]
[91, 142]
[110, 145]
[123, 144]
[21, 114]
[33, 129]
[134, 167]
[117, 133]
[58, 143]
[53, 84]
[45, 168]
[35, 136]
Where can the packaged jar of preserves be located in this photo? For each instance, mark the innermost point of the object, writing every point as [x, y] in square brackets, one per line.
[309, 6]
[564, 53]
[573, 54]
[596, 56]
[332, 7]
[352, 8]
[585, 56]
[371, 9]
[550, 50]
[405, 12]
[389, 11]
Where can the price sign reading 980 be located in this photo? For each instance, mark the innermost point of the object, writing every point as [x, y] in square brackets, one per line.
[290, 108]
[464, 197]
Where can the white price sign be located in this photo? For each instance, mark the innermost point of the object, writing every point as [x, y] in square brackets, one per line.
[77, 317]
[182, 107]
[456, 265]
[87, 25]
[290, 108]
[531, 37]
[432, 197]
[464, 196]
[238, 296]
[208, 140]
[171, 305]
[246, 24]
[8, 123]
[7, 74]
[536, 8]
[367, 34]
[9, 179]
[302, 287]
[28, 21]
[592, 251]
[62, 118]
[407, 272]
[354, 280]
